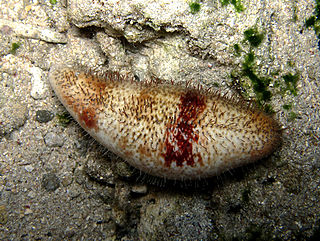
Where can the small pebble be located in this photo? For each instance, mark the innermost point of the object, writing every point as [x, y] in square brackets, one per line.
[139, 189]
[99, 170]
[79, 176]
[74, 191]
[39, 87]
[53, 140]
[31, 194]
[50, 182]
[29, 168]
[66, 180]
[44, 116]
[123, 169]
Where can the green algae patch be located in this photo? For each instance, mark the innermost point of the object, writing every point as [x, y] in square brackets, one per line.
[291, 115]
[287, 106]
[252, 39]
[259, 83]
[194, 7]
[237, 49]
[314, 21]
[14, 47]
[253, 36]
[64, 119]
[291, 82]
[251, 81]
[236, 3]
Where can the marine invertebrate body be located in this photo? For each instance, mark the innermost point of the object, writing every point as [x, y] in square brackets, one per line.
[166, 130]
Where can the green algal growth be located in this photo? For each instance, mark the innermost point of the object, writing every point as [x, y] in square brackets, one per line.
[291, 82]
[259, 83]
[314, 21]
[194, 7]
[295, 11]
[64, 119]
[253, 36]
[216, 85]
[236, 3]
[268, 108]
[310, 21]
[14, 47]
[292, 116]
[237, 49]
[249, 77]
[249, 60]
[53, 2]
[287, 106]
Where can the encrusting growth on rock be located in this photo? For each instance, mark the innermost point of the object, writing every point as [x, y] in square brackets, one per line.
[166, 130]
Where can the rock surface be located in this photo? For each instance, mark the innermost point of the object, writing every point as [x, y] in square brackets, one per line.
[70, 188]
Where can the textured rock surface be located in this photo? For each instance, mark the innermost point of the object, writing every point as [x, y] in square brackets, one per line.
[277, 198]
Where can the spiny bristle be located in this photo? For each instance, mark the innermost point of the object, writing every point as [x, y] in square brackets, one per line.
[178, 132]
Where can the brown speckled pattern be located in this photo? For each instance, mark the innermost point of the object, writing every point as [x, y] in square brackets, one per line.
[166, 130]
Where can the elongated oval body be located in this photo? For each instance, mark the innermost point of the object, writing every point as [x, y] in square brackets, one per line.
[166, 130]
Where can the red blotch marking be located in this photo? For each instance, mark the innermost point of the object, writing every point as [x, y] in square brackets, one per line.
[180, 135]
[88, 117]
[99, 86]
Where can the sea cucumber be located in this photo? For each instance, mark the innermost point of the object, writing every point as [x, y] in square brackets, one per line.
[166, 130]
